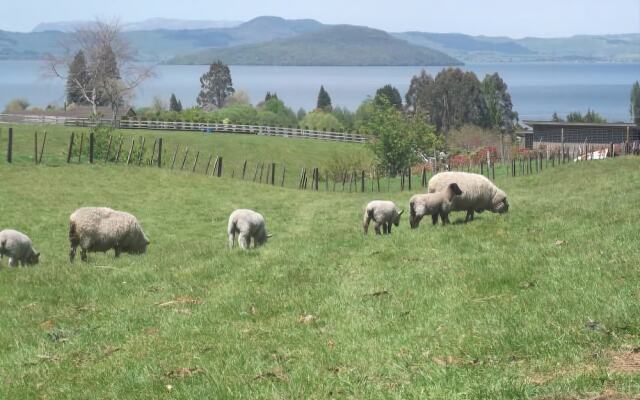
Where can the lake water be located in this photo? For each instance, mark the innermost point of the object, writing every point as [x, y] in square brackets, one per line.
[537, 89]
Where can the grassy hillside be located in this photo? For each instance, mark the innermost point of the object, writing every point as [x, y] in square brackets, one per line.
[539, 303]
[333, 45]
[294, 154]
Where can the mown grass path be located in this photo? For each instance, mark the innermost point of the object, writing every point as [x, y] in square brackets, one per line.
[537, 303]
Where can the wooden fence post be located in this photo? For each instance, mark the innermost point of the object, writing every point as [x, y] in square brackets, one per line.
[244, 168]
[301, 178]
[44, 141]
[106, 158]
[326, 181]
[493, 171]
[409, 176]
[92, 141]
[175, 154]
[160, 153]
[153, 151]
[423, 178]
[35, 147]
[133, 142]
[283, 172]
[184, 160]
[10, 146]
[206, 171]
[195, 163]
[80, 150]
[141, 151]
[273, 173]
[562, 143]
[377, 179]
[219, 171]
[70, 148]
[119, 149]
[362, 182]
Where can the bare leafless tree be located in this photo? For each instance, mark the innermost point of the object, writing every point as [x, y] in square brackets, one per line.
[112, 73]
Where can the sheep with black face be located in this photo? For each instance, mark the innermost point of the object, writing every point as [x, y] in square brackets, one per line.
[478, 193]
[434, 204]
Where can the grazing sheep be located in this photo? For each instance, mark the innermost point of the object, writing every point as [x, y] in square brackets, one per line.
[101, 229]
[18, 247]
[383, 213]
[434, 204]
[248, 224]
[479, 193]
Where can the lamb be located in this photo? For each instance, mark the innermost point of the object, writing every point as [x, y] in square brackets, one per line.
[99, 229]
[383, 213]
[479, 193]
[18, 247]
[248, 225]
[434, 204]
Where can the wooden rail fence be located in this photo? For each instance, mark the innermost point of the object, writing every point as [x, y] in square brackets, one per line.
[208, 127]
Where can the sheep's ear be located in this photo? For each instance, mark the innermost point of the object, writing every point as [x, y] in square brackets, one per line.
[269, 235]
[400, 213]
[456, 189]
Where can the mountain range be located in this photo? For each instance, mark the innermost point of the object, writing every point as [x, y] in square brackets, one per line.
[277, 41]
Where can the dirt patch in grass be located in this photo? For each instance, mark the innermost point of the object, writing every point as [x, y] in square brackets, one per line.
[606, 395]
[626, 362]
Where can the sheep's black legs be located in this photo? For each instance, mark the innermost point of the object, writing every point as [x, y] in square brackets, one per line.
[72, 253]
[377, 227]
[83, 254]
[434, 219]
[389, 228]
[469, 216]
[445, 218]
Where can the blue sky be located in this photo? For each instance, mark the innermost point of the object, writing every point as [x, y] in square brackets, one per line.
[544, 18]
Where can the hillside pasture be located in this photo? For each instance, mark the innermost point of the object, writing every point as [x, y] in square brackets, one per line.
[541, 303]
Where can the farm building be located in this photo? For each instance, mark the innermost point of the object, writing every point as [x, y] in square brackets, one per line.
[573, 134]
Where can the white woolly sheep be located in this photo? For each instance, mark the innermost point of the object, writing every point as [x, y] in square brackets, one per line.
[434, 204]
[248, 225]
[479, 193]
[18, 247]
[383, 213]
[100, 229]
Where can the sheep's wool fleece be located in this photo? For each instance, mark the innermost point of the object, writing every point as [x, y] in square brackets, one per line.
[477, 191]
[246, 221]
[383, 210]
[99, 228]
[15, 244]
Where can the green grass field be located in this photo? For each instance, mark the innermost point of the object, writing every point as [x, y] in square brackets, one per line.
[540, 303]
[294, 154]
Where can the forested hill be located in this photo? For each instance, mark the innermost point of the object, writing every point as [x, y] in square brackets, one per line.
[331, 45]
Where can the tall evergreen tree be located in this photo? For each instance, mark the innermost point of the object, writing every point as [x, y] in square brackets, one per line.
[420, 94]
[457, 100]
[556, 118]
[499, 109]
[174, 103]
[391, 94]
[77, 79]
[216, 86]
[324, 100]
[635, 103]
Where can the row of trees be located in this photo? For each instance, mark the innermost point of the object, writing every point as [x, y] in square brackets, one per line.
[454, 98]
